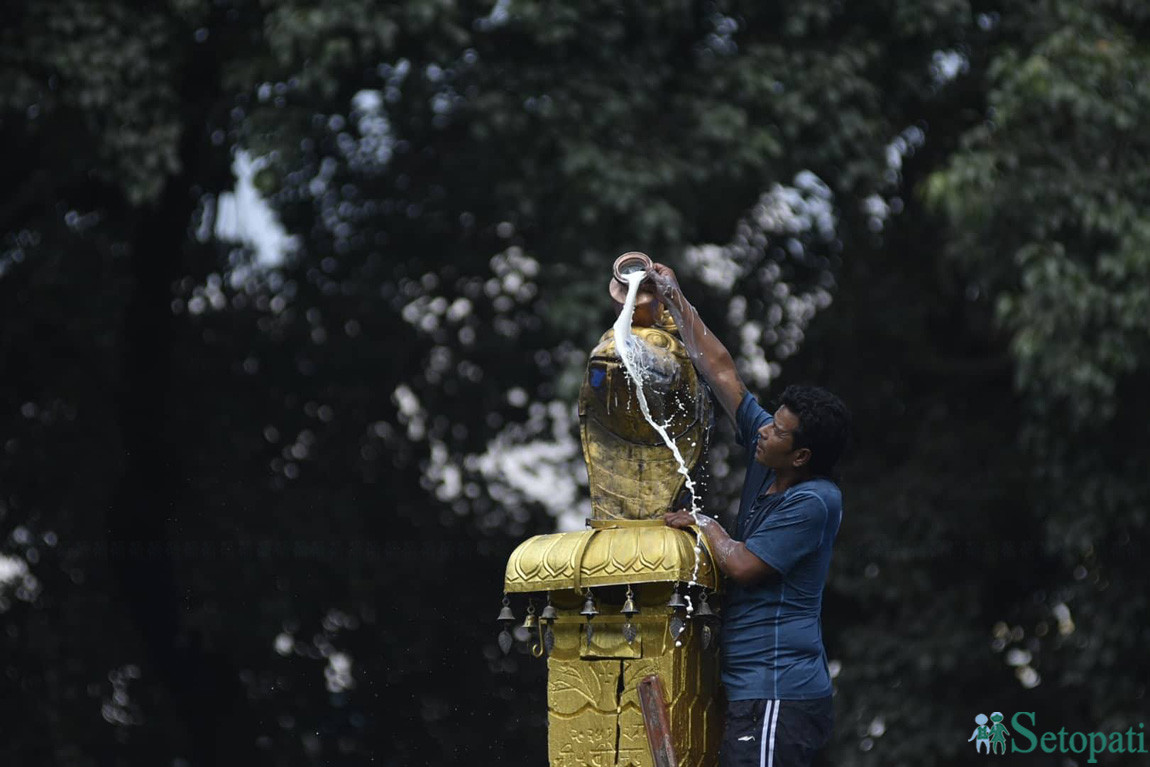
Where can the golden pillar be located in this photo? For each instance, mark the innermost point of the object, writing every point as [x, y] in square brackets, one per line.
[614, 597]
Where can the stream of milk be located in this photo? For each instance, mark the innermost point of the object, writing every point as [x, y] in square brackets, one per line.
[626, 345]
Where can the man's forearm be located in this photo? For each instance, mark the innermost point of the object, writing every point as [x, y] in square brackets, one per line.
[732, 557]
[707, 352]
[705, 348]
[722, 545]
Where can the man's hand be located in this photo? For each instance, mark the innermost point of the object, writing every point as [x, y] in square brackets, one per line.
[666, 283]
[680, 519]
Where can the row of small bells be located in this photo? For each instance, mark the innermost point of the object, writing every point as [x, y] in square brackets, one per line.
[682, 612]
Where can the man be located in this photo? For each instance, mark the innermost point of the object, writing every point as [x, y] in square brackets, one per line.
[778, 686]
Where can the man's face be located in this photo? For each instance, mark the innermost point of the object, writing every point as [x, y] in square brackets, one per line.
[775, 447]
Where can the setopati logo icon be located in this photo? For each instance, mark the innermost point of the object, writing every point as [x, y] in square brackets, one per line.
[992, 734]
[990, 737]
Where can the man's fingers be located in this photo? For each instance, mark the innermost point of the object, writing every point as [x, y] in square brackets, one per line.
[667, 280]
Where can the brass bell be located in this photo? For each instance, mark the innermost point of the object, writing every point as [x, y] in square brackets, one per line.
[629, 607]
[589, 608]
[704, 611]
[549, 612]
[530, 622]
[676, 600]
[505, 615]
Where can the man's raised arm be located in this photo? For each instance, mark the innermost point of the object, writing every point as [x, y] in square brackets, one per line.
[707, 352]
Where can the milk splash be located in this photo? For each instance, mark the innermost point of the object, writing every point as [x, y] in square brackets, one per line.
[628, 348]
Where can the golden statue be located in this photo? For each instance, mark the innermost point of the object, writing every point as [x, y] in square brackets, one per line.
[629, 635]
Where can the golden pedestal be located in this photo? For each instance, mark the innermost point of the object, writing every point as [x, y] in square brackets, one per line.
[594, 718]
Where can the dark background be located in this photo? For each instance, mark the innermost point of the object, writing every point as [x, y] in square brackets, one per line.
[255, 510]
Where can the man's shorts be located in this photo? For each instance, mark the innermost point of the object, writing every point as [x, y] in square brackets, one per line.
[775, 733]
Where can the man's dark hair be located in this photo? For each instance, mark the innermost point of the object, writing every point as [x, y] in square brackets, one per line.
[824, 425]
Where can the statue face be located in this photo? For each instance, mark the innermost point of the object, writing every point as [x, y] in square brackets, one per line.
[672, 389]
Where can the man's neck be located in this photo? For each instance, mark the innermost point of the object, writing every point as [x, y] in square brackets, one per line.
[784, 480]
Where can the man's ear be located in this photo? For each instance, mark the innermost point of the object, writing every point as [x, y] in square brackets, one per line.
[802, 457]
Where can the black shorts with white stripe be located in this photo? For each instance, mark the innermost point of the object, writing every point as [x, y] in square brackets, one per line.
[775, 733]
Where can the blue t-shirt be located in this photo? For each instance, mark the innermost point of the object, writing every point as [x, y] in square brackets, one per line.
[772, 634]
